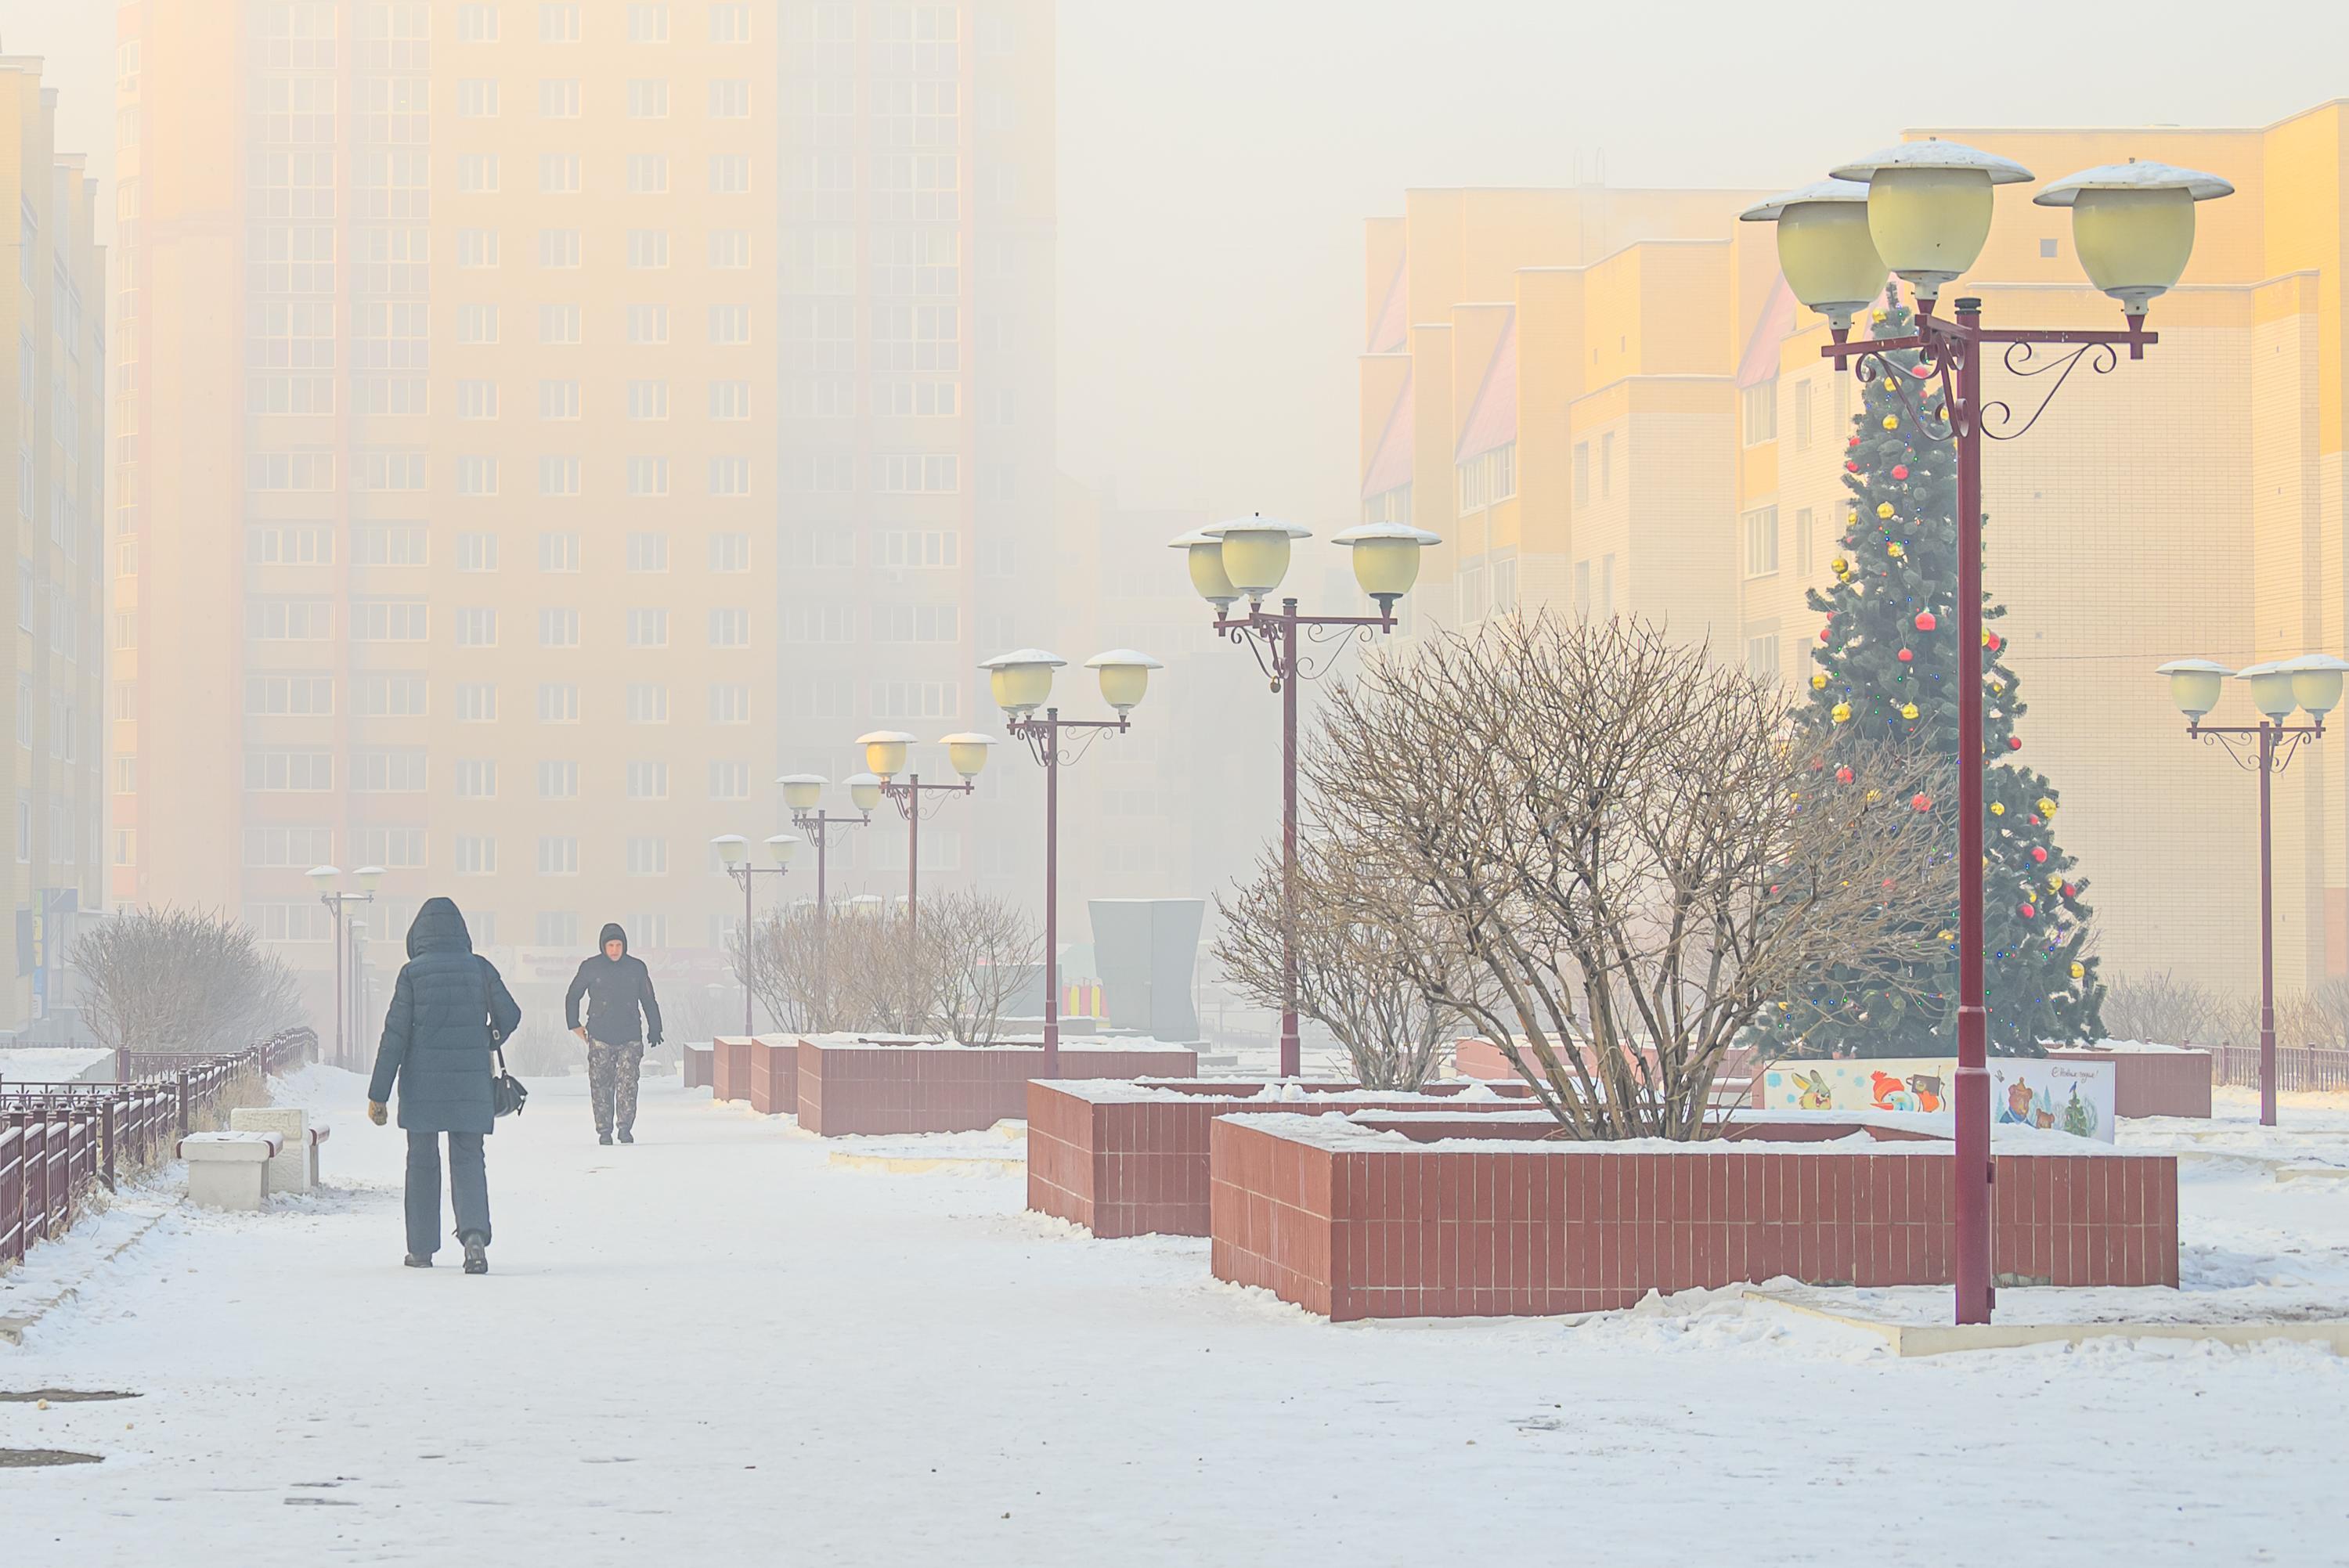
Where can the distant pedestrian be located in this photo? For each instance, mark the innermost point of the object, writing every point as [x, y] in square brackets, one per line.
[449, 1011]
[622, 1018]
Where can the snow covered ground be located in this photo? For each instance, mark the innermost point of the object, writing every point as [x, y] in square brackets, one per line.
[720, 1346]
[53, 1064]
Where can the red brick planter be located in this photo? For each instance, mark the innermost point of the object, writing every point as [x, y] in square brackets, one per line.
[1129, 1159]
[1482, 1060]
[700, 1063]
[848, 1087]
[1350, 1224]
[775, 1074]
[2153, 1083]
[729, 1068]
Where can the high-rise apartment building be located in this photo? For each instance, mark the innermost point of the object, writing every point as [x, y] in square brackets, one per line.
[53, 313]
[1645, 425]
[548, 419]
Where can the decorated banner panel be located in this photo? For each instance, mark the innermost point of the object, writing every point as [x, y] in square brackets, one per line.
[2072, 1097]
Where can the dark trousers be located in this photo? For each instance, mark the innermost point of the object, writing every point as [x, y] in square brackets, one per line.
[468, 1189]
[613, 1068]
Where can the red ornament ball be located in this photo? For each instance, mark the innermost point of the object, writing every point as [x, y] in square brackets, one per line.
[1853, 442]
[2070, 891]
[1843, 774]
[1925, 621]
[2015, 743]
[1851, 468]
[1922, 803]
[2034, 821]
[2027, 911]
[1920, 371]
[2038, 854]
[1900, 471]
[1826, 634]
[1995, 643]
[1905, 656]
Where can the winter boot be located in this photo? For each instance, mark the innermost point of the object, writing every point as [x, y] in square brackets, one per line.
[418, 1260]
[477, 1255]
[603, 1138]
[627, 1137]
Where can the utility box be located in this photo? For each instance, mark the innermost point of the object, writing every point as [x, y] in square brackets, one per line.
[1146, 949]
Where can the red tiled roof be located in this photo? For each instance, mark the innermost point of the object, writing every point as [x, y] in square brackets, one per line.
[1391, 465]
[1760, 361]
[1492, 422]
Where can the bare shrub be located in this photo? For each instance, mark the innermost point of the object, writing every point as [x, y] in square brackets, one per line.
[1619, 836]
[182, 980]
[1359, 954]
[978, 949]
[2163, 1009]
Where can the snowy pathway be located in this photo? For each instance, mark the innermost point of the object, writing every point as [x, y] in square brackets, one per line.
[720, 1346]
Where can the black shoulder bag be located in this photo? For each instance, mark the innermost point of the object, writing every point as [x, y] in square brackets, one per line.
[507, 1095]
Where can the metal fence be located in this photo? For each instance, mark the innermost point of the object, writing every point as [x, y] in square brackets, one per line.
[58, 1140]
[2312, 1068]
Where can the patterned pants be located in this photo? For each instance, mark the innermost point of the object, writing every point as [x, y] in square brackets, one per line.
[612, 1071]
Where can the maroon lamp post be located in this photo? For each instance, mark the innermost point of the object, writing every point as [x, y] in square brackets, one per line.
[1249, 556]
[2313, 681]
[1923, 209]
[802, 792]
[1022, 683]
[885, 754]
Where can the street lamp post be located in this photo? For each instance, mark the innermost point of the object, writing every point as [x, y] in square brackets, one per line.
[884, 755]
[325, 880]
[801, 795]
[2310, 682]
[1923, 209]
[734, 850]
[1021, 682]
[1250, 556]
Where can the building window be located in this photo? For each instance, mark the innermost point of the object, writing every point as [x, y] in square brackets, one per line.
[475, 552]
[728, 324]
[476, 173]
[388, 696]
[558, 99]
[558, 399]
[730, 781]
[390, 621]
[558, 553]
[388, 770]
[558, 781]
[558, 476]
[1607, 465]
[558, 857]
[648, 552]
[1761, 413]
[1805, 522]
[648, 174]
[729, 99]
[648, 476]
[558, 248]
[648, 857]
[647, 780]
[729, 399]
[648, 248]
[648, 628]
[1761, 542]
[478, 323]
[558, 629]
[648, 24]
[477, 703]
[1488, 477]
[1803, 390]
[1762, 658]
[730, 174]
[476, 857]
[477, 399]
[647, 399]
[730, 23]
[730, 628]
[648, 323]
[729, 249]
[558, 324]
[729, 476]
[477, 23]
[477, 476]
[730, 703]
[647, 703]
[477, 779]
[557, 928]
[731, 551]
[918, 472]
[477, 628]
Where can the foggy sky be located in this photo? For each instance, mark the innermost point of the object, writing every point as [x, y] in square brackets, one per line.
[1217, 158]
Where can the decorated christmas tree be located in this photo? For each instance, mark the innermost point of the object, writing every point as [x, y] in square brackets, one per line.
[1886, 655]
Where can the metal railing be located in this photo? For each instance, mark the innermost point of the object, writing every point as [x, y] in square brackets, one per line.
[2317, 1069]
[57, 1139]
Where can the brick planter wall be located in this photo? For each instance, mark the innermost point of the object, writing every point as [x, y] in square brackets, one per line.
[700, 1063]
[2153, 1083]
[1482, 1060]
[847, 1088]
[1127, 1159]
[729, 1068]
[775, 1074]
[1385, 1231]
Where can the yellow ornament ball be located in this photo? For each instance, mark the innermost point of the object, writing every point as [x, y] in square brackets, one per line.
[1909, 710]
[1884, 509]
[1851, 516]
[1998, 807]
[1890, 385]
[1949, 936]
[1818, 683]
[1875, 315]
[2054, 881]
[1985, 637]
[1841, 712]
[2046, 807]
[1892, 421]
[1838, 566]
[2079, 972]
[1874, 796]
[1894, 549]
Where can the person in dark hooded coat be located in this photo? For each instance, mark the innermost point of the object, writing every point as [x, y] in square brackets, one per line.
[621, 1019]
[449, 1011]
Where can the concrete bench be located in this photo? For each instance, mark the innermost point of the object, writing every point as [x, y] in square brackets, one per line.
[230, 1170]
[296, 1167]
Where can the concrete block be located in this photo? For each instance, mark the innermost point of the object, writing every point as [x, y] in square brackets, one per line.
[230, 1170]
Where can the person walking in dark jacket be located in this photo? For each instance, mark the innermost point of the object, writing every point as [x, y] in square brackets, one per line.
[450, 1010]
[622, 1018]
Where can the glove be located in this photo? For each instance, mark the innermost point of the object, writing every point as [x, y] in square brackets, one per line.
[654, 1044]
[377, 1113]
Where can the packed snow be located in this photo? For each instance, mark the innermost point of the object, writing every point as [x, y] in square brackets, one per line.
[720, 1345]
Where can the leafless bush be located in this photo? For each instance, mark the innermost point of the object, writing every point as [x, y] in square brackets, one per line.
[1615, 832]
[182, 980]
[978, 949]
[1359, 955]
[2164, 1009]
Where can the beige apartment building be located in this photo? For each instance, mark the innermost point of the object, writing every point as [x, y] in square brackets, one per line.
[53, 312]
[1608, 402]
[542, 424]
